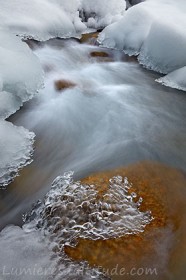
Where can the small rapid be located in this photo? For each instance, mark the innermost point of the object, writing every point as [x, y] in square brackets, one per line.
[99, 110]
[114, 114]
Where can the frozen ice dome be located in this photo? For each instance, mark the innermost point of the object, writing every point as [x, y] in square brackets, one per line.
[99, 14]
[175, 79]
[16, 147]
[39, 19]
[21, 76]
[154, 30]
[31, 19]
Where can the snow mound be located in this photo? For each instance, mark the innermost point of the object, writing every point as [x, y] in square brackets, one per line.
[129, 33]
[44, 19]
[21, 74]
[72, 9]
[15, 150]
[9, 103]
[154, 30]
[20, 78]
[39, 19]
[99, 14]
[175, 79]
[164, 48]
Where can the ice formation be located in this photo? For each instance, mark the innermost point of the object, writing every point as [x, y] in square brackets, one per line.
[36, 19]
[72, 210]
[99, 14]
[69, 211]
[15, 150]
[20, 77]
[154, 30]
[35, 260]
[21, 74]
[31, 18]
[175, 79]
[25, 256]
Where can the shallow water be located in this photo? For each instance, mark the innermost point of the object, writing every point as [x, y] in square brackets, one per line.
[115, 115]
[158, 252]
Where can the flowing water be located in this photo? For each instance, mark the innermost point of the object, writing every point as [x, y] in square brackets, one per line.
[113, 114]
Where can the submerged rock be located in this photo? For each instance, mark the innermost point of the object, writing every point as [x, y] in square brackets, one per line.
[89, 38]
[157, 248]
[99, 54]
[63, 84]
[73, 210]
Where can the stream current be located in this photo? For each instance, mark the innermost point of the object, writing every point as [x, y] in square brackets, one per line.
[111, 113]
[116, 114]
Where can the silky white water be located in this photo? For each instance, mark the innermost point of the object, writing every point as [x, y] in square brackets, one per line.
[116, 114]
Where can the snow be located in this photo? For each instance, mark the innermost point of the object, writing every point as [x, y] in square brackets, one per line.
[9, 103]
[44, 19]
[102, 13]
[16, 147]
[69, 211]
[27, 256]
[175, 79]
[21, 76]
[154, 30]
[37, 19]
[130, 32]
[164, 49]
[20, 71]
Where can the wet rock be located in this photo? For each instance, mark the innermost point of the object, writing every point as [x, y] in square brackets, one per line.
[163, 191]
[89, 38]
[63, 84]
[99, 54]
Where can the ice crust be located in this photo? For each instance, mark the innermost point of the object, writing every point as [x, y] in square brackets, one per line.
[74, 210]
[175, 79]
[21, 76]
[154, 30]
[70, 210]
[27, 256]
[16, 148]
[24, 255]
[99, 14]
[35, 19]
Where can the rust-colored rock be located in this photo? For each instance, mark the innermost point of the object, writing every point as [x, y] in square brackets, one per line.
[89, 38]
[162, 245]
[63, 84]
[99, 54]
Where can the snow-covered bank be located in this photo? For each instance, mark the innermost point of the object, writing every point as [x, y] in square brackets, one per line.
[44, 19]
[154, 30]
[21, 76]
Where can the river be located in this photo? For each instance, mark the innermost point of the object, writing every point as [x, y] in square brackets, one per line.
[113, 114]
